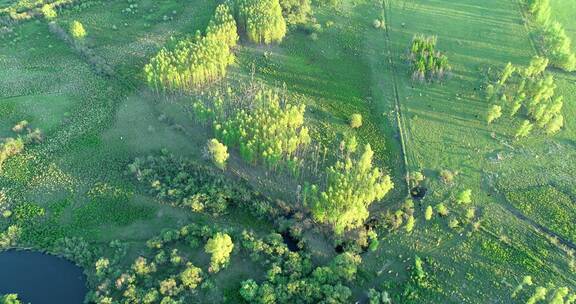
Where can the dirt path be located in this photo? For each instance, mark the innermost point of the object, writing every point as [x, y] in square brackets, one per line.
[397, 107]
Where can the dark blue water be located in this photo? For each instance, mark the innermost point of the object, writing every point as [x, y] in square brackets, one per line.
[39, 278]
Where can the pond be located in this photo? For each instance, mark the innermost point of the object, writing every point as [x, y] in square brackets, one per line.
[41, 278]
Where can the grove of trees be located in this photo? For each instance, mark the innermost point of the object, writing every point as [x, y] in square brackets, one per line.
[195, 61]
[352, 185]
[427, 63]
[531, 90]
[262, 20]
[556, 44]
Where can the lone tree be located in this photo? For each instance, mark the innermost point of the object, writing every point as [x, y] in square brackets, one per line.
[524, 129]
[494, 113]
[356, 121]
[191, 276]
[220, 246]
[218, 153]
[77, 30]
[464, 197]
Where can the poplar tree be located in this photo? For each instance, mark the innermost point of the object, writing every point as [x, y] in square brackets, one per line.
[262, 20]
[524, 129]
[218, 153]
[352, 185]
[494, 113]
[77, 30]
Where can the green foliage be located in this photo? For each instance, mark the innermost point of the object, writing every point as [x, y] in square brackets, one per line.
[410, 224]
[427, 63]
[556, 43]
[428, 213]
[9, 237]
[10, 147]
[464, 197]
[524, 129]
[494, 113]
[48, 11]
[356, 121]
[296, 11]
[533, 91]
[218, 153]
[191, 276]
[196, 61]
[220, 247]
[269, 131]
[292, 278]
[185, 183]
[539, 294]
[262, 20]
[77, 30]
[9, 299]
[442, 209]
[352, 185]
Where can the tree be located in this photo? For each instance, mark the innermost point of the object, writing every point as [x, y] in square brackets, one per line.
[441, 209]
[464, 197]
[356, 121]
[48, 11]
[218, 153]
[198, 60]
[428, 213]
[296, 11]
[494, 113]
[219, 246]
[9, 299]
[10, 147]
[249, 290]
[554, 125]
[410, 224]
[526, 281]
[352, 185]
[427, 63]
[262, 20]
[506, 73]
[191, 276]
[524, 129]
[539, 294]
[77, 30]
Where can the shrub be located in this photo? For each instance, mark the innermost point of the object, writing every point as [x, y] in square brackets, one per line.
[356, 121]
[218, 153]
[77, 30]
[220, 246]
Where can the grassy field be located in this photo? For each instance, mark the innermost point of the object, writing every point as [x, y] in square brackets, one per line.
[94, 126]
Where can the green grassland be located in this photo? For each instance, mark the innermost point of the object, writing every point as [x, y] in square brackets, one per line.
[95, 126]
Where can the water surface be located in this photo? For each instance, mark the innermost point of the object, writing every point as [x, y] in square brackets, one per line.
[40, 278]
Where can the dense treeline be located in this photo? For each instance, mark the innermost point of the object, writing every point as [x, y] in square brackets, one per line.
[528, 93]
[270, 131]
[184, 183]
[427, 63]
[195, 61]
[556, 44]
[262, 20]
[292, 278]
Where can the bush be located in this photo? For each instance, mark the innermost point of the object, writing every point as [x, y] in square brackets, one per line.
[356, 121]
[77, 30]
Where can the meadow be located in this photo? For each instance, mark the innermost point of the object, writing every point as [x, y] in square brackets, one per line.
[82, 193]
